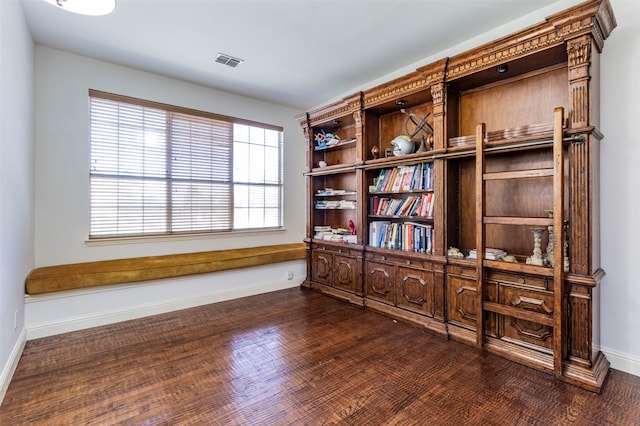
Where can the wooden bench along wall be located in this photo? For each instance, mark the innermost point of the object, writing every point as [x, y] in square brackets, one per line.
[92, 274]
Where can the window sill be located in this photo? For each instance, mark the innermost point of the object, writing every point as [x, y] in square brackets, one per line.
[179, 237]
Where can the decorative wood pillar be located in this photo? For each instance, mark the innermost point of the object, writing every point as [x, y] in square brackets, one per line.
[359, 122]
[439, 94]
[581, 116]
[579, 52]
[579, 209]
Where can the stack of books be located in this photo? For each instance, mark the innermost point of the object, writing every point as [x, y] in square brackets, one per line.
[489, 253]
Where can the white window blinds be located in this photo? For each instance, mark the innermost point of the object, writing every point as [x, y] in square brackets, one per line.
[158, 170]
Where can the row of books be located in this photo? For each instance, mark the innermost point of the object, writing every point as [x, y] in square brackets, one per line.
[413, 205]
[404, 178]
[406, 236]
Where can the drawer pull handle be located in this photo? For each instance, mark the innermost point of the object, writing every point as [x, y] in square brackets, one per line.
[521, 280]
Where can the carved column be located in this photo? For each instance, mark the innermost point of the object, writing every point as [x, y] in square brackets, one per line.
[438, 93]
[579, 52]
[357, 118]
[581, 116]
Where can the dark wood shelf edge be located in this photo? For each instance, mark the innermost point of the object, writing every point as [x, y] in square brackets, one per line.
[341, 145]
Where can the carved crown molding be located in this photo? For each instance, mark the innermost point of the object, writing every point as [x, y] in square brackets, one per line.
[419, 80]
[594, 18]
[303, 119]
[341, 109]
[399, 87]
[591, 21]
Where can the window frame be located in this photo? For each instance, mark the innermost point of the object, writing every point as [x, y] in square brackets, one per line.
[168, 233]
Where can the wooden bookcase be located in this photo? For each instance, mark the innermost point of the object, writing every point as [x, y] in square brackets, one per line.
[511, 153]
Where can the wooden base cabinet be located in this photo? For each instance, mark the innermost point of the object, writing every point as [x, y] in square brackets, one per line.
[407, 287]
[470, 190]
[336, 269]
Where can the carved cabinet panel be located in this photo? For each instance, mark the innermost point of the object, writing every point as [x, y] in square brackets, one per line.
[379, 278]
[337, 267]
[345, 272]
[415, 290]
[402, 282]
[322, 267]
[461, 296]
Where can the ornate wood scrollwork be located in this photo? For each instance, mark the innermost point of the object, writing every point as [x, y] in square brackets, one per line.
[357, 117]
[579, 52]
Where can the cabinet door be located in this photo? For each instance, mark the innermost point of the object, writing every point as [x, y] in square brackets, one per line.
[462, 294]
[379, 281]
[322, 267]
[415, 290]
[344, 273]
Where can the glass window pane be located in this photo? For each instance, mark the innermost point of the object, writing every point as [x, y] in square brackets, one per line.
[256, 135]
[241, 162]
[240, 133]
[256, 164]
[272, 138]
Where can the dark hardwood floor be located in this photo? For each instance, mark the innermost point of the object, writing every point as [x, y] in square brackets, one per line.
[291, 357]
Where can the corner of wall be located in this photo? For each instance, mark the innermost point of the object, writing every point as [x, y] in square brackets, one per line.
[12, 363]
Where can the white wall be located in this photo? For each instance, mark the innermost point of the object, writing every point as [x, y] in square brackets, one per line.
[62, 156]
[620, 197]
[16, 181]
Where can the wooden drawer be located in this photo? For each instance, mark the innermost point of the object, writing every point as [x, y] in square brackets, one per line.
[530, 300]
[465, 271]
[520, 330]
[401, 259]
[520, 280]
[344, 249]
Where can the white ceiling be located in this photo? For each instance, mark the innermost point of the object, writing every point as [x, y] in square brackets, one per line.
[297, 53]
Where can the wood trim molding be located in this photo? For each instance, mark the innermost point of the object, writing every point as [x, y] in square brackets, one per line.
[335, 110]
[594, 17]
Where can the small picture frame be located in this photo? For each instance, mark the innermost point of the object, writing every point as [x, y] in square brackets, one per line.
[388, 152]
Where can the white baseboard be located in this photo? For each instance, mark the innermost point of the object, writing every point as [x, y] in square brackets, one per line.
[56, 313]
[12, 364]
[65, 325]
[622, 361]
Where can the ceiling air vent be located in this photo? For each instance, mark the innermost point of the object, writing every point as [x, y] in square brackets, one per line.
[228, 60]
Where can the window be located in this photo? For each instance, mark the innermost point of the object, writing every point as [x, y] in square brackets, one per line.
[158, 169]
